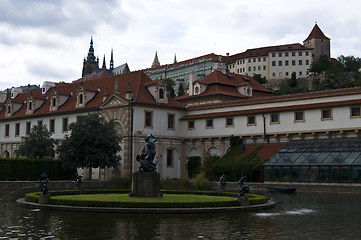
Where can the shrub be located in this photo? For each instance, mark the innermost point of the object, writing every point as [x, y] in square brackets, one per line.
[200, 182]
[193, 166]
[120, 182]
[181, 183]
[29, 169]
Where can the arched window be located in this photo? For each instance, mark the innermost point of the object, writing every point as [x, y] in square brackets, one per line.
[196, 90]
[80, 98]
[161, 93]
[6, 154]
[53, 103]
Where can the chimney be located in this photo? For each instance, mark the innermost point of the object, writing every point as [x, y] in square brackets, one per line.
[192, 78]
[220, 67]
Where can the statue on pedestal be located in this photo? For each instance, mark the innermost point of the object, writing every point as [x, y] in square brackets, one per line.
[243, 189]
[146, 156]
[44, 184]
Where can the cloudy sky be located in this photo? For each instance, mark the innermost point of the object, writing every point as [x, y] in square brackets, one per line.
[43, 40]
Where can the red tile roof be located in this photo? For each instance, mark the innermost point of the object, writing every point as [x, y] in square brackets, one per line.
[226, 84]
[316, 33]
[210, 56]
[104, 86]
[263, 51]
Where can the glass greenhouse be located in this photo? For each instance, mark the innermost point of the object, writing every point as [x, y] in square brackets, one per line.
[327, 160]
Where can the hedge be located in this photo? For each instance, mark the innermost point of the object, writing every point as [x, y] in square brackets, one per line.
[253, 199]
[30, 169]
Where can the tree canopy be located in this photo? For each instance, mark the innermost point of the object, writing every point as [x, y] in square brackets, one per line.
[37, 144]
[170, 87]
[93, 143]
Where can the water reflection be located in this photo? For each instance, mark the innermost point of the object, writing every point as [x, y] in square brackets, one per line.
[297, 216]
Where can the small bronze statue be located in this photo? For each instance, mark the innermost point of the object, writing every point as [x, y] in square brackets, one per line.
[243, 189]
[222, 182]
[78, 180]
[44, 183]
[146, 156]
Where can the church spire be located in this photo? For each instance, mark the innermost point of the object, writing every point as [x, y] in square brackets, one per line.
[91, 56]
[111, 60]
[175, 58]
[155, 61]
[104, 65]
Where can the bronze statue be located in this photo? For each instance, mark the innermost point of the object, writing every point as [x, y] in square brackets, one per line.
[222, 182]
[147, 155]
[243, 189]
[44, 183]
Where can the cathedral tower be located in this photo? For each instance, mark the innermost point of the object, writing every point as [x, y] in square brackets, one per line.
[90, 62]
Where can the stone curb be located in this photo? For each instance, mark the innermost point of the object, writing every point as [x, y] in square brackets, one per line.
[21, 201]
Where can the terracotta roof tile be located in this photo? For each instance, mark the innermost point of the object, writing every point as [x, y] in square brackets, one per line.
[316, 33]
[137, 82]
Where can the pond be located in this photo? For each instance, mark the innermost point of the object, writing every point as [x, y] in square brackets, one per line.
[296, 216]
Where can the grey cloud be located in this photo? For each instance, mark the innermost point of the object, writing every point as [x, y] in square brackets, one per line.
[67, 17]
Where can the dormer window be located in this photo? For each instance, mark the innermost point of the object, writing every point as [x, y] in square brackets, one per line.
[8, 110]
[161, 93]
[30, 105]
[81, 98]
[53, 102]
[196, 90]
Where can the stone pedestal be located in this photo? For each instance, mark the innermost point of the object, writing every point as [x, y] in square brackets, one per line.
[243, 200]
[146, 184]
[44, 199]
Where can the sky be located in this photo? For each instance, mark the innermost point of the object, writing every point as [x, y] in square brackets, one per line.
[43, 40]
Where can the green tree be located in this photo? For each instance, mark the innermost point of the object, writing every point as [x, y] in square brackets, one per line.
[93, 143]
[259, 78]
[170, 87]
[37, 144]
[351, 63]
[322, 65]
[180, 90]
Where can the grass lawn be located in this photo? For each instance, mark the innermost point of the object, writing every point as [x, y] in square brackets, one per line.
[125, 198]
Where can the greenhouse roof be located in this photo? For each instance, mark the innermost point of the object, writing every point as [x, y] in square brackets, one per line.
[319, 152]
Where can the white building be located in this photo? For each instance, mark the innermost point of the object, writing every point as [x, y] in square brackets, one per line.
[279, 62]
[216, 107]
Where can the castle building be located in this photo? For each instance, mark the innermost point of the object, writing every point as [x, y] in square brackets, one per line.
[279, 62]
[91, 66]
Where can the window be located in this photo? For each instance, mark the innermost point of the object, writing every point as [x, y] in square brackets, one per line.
[209, 123]
[286, 54]
[279, 63]
[355, 112]
[307, 62]
[299, 116]
[229, 122]
[65, 124]
[293, 62]
[161, 93]
[53, 102]
[190, 124]
[170, 121]
[259, 68]
[251, 120]
[249, 69]
[299, 53]
[264, 59]
[81, 98]
[254, 59]
[264, 67]
[275, 118]
[148, 120]
[254, 68]
[293, 54]
[52, 125]
[286, 63]
[196, 90]
[273, 54]
[307, 53]
[30, 105]
[27, 128]
[170, 158]
[259, 59]
[273, 63]
[326, 114]
[40, 123]
[7, 130]
[17, 129]
[299, 62]
[279, 54]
